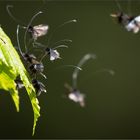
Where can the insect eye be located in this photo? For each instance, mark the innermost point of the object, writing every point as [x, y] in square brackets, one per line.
[48, 50]
[30, 29]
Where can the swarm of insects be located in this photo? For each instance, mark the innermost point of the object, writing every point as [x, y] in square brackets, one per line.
[34, 64]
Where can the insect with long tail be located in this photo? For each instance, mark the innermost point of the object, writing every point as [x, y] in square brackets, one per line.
[34, 31]
[49, 49]
[122, 17]
[41, 30]
[74, 93]
[130, 23]
[35, 66]
[39, 86]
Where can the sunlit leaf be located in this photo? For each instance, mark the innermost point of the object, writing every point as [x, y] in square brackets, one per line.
[11, 67]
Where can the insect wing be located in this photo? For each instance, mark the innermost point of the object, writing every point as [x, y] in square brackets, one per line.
[40, 30]
[42, 87]
[77, 97]
[54, 54]
[134, 25]
[137, 21]
[39, 67]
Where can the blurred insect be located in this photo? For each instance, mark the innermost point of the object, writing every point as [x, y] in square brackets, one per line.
[19, 83]
[134, 25]
[130, 23]
[34, 31]
[49, 49]
[51, 52]
[122, 18]
[35, 66]
[39, 87]
[74, 94]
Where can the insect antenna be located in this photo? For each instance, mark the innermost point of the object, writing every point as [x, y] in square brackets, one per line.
[44, 46]
[60, 41]
[118, 5]
[27, 28]
[80, 64]
[104, 70]
[18, 43]
[109, 71]
[59, 26]
[61, 46]
[11, 15]
[35, 66]
[36, 44]
[43, 75]
[72, 66]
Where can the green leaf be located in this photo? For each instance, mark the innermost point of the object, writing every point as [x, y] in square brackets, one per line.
[11, 67]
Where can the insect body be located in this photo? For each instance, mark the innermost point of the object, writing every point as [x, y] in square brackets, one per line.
[75, 95]
[34, 31]
[39, 87]
[134, 25]
[35, 66]
[122, 18]
[53, 54]
[38, 31]
[19, 83]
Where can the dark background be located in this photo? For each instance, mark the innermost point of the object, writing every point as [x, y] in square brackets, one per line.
[112, 103]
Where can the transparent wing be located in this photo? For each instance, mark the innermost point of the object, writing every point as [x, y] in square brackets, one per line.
[40, 30]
